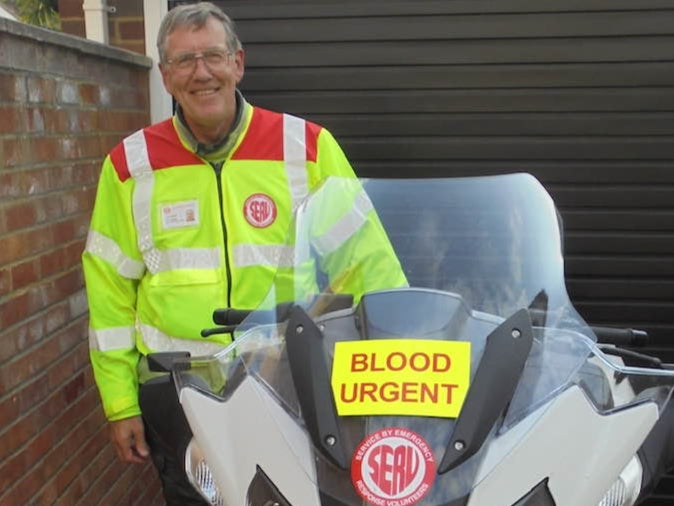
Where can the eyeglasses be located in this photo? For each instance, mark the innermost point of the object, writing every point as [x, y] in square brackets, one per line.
[213, 58]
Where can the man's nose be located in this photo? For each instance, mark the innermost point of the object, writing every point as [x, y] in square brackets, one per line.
[201, 68]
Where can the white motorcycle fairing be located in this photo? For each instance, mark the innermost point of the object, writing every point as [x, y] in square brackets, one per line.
[565, 447]
[548, 419]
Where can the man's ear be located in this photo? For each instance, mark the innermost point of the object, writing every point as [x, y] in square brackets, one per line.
[240, 62]
[165, 77]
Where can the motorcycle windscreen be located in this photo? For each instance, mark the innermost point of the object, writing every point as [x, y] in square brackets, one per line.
[415, 366]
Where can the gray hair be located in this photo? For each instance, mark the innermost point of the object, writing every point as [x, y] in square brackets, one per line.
[195, 15]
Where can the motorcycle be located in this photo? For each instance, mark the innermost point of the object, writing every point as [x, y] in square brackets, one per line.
[476, 384]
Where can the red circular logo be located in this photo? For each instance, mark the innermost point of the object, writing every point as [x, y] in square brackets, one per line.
[392, 467]
[259, 210]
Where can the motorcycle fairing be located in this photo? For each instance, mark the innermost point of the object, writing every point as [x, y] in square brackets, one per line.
[494, 249]
[565, 446]
[241, 446]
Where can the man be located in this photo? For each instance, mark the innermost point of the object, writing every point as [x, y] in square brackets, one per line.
[189, 216]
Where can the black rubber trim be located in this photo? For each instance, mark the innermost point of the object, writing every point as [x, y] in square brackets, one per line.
[311, 377]
[263, 492]
[493, 386]
[538, 496]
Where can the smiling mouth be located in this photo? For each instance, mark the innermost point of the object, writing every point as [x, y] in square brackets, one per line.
[203, 93]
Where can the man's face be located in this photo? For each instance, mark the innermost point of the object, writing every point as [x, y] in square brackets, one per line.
[205, 91]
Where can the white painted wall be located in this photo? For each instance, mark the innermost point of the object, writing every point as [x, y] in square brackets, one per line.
[160, 101]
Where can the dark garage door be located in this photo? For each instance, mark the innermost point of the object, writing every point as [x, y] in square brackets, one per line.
[579, 93]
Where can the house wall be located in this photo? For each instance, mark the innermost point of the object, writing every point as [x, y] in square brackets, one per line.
[64, 102]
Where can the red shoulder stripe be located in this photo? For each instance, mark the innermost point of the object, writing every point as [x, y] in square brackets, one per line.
[264, 137]
[118, 157]
[164, 148]
[312, 131]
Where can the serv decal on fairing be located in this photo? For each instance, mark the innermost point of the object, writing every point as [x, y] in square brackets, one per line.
[400, 377]
[393, 467]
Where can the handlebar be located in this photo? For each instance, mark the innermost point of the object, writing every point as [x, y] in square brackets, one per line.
[621, 337]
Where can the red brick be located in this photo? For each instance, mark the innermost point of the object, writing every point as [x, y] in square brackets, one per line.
[25, 274]
[7, 83]
[12, 311]
[88, 93]
[52, 262]
[45, 149]
[12, 120]
[12, 88]
[64, 231]
[40, 90]
[20, 215]
[86, 174]
[87, 121]
[21, 337]
[13, 152]
[72, 362]
[21, 244]
[9, 184]
[5, 283]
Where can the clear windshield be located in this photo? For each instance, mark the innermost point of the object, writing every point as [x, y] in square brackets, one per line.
[404, 278]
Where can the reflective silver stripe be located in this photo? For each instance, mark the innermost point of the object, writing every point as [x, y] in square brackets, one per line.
[138, 161]
[187, 258]
[107, 249]
[295, 162]
[156, 340]
[113, 338]
[295, 157]
[249, 255]
[347, 225]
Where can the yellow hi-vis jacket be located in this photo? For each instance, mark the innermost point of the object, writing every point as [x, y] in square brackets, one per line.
[172, 238]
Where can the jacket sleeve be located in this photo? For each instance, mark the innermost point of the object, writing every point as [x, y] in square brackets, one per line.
[112, 266]
[359, 258]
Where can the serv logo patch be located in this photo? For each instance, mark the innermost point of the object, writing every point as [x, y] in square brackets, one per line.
[260, 210]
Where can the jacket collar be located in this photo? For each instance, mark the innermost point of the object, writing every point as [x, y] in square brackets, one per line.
[219, 150]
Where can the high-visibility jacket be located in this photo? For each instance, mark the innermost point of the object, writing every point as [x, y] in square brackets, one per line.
[173, 237]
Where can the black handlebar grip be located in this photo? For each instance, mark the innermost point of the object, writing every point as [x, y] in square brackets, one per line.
[621, 337]
[230, 316]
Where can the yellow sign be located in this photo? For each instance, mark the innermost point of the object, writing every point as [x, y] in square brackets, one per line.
[401, 377]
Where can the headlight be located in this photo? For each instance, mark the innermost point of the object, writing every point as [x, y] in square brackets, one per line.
[625, 490]
[200, 475]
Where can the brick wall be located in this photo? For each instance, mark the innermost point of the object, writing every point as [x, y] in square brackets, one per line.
[64, 102]
[125, 24]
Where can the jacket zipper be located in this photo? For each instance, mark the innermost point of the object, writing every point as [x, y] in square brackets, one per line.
[218, 171]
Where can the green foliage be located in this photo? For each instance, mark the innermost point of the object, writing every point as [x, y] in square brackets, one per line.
[39, 12]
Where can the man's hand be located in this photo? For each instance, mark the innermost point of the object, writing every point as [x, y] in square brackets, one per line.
[128, 436]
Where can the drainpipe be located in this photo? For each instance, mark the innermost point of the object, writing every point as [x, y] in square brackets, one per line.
[96, 19]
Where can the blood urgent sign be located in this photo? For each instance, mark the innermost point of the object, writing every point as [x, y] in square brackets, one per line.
[400, 377]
